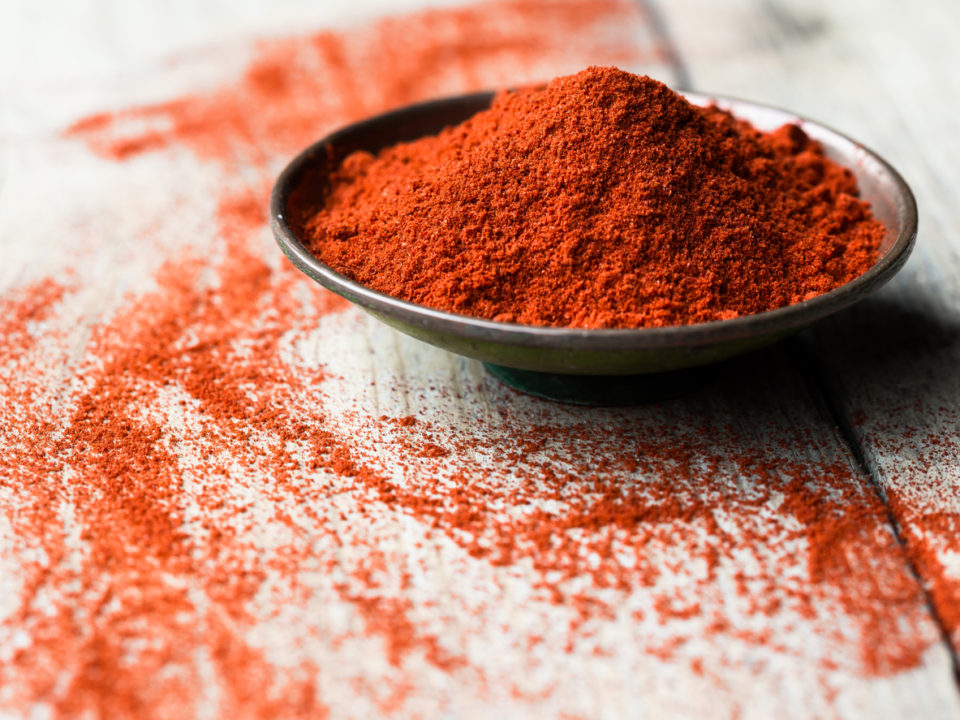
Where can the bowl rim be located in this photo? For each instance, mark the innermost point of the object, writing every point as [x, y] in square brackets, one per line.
[606, 339]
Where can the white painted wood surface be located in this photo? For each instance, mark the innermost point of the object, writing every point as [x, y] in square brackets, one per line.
[879, 384]
[891, 366]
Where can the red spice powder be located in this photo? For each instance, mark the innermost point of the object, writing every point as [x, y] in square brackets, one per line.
[919, 486]
[602, 200]
[931, 537]
[204, 522]
[300, 87]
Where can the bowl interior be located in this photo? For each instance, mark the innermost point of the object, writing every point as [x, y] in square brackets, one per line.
[301, 187]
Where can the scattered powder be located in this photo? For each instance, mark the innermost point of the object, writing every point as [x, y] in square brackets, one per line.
[302, 86]
[204, 523]
[919, 481]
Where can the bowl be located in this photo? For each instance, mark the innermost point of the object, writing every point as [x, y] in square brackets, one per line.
[609, 366]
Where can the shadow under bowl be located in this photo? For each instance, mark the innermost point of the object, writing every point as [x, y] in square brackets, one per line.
[605, 367]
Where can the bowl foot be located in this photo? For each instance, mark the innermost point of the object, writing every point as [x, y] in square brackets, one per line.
[601, 390]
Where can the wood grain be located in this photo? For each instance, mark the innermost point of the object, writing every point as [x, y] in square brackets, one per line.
[890, 366]
[748, 549]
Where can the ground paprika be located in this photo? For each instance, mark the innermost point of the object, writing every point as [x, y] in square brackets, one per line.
[604, 199]
[198, 518]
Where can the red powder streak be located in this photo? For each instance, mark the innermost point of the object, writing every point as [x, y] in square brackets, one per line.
[919, 484]
[929, 535]
[24, 306]
[296, 88]
[126, 495]
[852, 558]
[141, 583]
[125, 625]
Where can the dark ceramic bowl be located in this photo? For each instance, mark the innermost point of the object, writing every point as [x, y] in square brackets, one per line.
[575, 365]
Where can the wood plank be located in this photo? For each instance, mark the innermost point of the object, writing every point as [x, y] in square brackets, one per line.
[291, 541]
[886, 77]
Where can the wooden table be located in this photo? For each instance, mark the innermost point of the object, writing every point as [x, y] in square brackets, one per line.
[223, 493]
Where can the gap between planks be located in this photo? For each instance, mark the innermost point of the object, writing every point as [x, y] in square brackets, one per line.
[811, 364]
[829, 395]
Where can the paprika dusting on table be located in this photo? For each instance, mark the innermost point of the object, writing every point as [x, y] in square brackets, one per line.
[208, 509]
[602, 200]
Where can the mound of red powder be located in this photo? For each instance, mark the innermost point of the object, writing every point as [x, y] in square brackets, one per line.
[604, 199]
